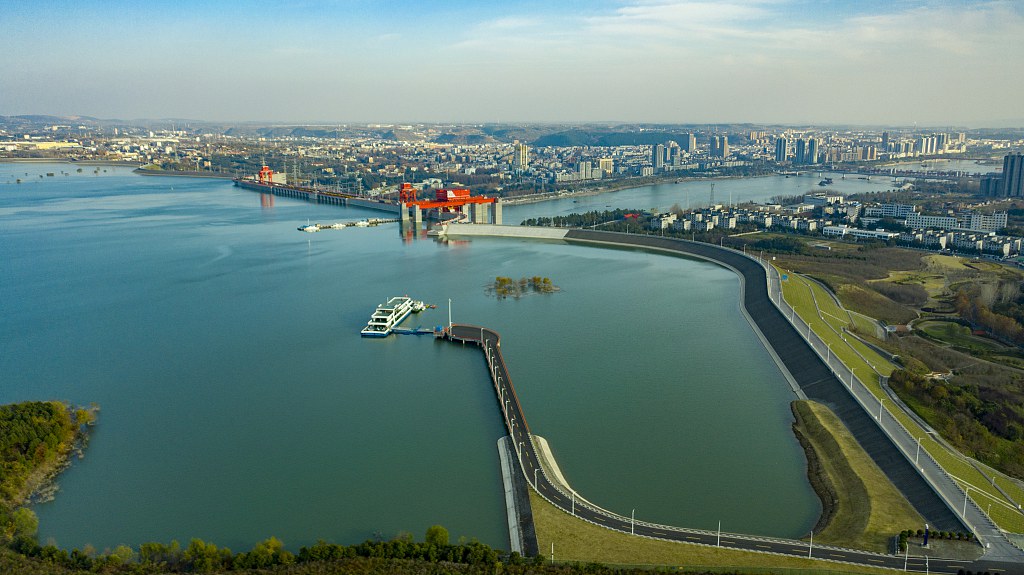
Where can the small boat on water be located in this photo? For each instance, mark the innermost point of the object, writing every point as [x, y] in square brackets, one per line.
[309, 227]
[362, 224]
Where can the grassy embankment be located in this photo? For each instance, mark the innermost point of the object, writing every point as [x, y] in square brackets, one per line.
[862, 508]
[577, 540]
[827, 319]
[865, 512]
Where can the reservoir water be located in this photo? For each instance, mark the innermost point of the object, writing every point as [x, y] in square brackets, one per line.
[238, 400]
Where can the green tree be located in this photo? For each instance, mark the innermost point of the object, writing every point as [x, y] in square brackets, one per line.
[437, 536]
[123, 552]
[24, 522]
[204, 557]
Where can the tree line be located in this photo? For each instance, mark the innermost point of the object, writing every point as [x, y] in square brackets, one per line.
[203, 557]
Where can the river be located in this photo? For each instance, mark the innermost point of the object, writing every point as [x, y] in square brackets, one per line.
[238, 400]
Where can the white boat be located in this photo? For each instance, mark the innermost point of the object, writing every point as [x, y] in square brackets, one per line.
[309, 227]
[387, 316]
[337, 226]
[361, 224]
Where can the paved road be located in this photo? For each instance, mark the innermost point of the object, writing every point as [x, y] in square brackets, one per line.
[568, 501]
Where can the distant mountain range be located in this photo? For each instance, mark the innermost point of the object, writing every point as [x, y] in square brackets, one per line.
[537, 135]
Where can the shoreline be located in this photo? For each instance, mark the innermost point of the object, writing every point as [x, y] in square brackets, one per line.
[41, 486]
[549, 196]
[69, 162]
[183, 174]
[819, 479]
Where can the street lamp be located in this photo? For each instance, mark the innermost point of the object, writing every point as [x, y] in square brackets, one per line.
[880, 402]
[632, 521]
[966, 491]
[917, 456]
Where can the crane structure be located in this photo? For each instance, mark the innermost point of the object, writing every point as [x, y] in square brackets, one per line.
[448, 199]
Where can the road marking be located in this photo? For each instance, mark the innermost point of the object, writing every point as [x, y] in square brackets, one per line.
[658, 532]
[693, 538]
[763, 546]
[834, 555]
[875, 560]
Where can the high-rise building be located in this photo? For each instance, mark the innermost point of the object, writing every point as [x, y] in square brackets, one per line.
[1013, 175]
[585, 171]
[781, 150]
[991, 185]
[801, 152]
[885, 141]
[658, 157]
[927, 145]
[811, 154]
[521, 158]
[672, 153]
[690, 143]
[719, 146]
[607, 165]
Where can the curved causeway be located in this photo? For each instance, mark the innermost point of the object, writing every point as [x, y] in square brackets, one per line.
[805, 369]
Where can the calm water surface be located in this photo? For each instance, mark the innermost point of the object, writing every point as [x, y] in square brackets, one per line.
[238, 400]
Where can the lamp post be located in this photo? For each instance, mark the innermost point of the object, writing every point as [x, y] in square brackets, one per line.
[632, 521]
[880, 402]
[811, 546]
[917, 456]
[535, 470]
[966, 491]
[718, 542]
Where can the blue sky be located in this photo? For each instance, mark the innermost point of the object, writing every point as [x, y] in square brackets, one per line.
[938, 63]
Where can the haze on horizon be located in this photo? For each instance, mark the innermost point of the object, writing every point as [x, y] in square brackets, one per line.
[949, 62]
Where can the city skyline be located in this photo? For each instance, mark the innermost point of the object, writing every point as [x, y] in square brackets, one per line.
[758, 61]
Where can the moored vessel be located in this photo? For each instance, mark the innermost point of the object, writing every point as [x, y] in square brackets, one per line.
[387, 316]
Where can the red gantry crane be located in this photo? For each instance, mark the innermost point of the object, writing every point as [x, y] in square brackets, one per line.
[448, 200]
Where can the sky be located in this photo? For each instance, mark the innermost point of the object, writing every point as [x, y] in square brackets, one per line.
[869, 62]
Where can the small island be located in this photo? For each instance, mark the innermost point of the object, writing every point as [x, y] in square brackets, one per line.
[504, 287]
